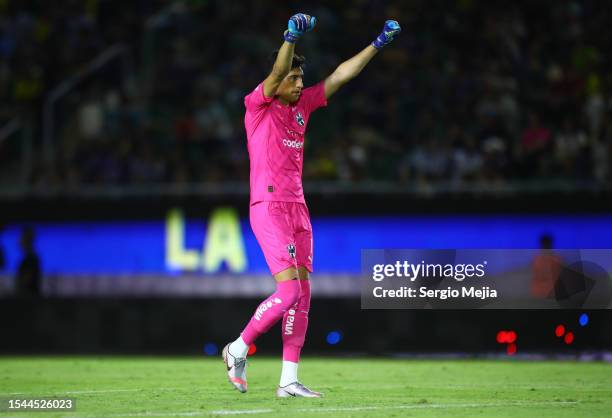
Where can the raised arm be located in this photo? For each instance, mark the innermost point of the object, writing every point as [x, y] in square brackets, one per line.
[281, 68]
[298, 25]
[350, 68]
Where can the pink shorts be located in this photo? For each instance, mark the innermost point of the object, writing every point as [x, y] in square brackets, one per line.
[284, 233]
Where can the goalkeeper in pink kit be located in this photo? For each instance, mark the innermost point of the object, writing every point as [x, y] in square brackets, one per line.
[277, 114]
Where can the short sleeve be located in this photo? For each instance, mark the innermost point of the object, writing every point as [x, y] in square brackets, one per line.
[257, 100]
[314, 97]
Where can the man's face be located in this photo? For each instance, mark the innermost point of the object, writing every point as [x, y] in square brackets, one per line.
[291, 87]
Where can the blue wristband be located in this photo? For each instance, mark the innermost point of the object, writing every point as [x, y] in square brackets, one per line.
[291, 37]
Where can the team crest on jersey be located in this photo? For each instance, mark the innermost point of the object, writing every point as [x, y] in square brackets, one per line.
[291, 250]
[299, 119]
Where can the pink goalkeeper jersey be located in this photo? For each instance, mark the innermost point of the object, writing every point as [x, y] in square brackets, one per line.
[275, 134]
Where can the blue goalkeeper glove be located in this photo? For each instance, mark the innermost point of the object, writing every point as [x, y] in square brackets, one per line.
[390, 30]
[298, 25]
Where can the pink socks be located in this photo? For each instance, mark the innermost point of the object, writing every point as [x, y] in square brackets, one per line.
[295, 324]
[272, 309]
[291, 301]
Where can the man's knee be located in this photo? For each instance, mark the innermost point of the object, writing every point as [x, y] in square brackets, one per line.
[291, 296]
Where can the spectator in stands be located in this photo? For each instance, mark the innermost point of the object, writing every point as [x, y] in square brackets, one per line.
[546, 269]
[28, 280]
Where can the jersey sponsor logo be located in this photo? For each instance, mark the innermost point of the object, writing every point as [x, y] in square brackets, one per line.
[265, 306]
[291, 250]
[289, 322]
[262, 309]
[297, 135]
[299, 119]
[293, 144]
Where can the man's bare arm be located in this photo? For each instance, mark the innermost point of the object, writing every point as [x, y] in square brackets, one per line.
[281, 68]
[350, 68]
[297, 26]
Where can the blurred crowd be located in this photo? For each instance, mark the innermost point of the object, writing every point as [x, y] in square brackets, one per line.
[471, 91]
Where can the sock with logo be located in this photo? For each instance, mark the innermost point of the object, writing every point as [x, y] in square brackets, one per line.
[295, 324]
[271, 310]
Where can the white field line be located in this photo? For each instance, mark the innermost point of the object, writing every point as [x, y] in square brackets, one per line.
[159, 414]
[347, 409]
[84, 392]
[487, 386]
[80, 392]
[242, 412]
[437, 406]
[187, 413]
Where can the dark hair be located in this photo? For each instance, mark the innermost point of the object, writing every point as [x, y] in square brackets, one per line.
[298, 60]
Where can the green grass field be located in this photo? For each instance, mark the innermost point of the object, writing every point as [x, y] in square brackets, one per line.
[164, 386]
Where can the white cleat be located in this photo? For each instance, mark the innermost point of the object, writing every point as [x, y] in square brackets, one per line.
[236, 373]
[297, 390]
